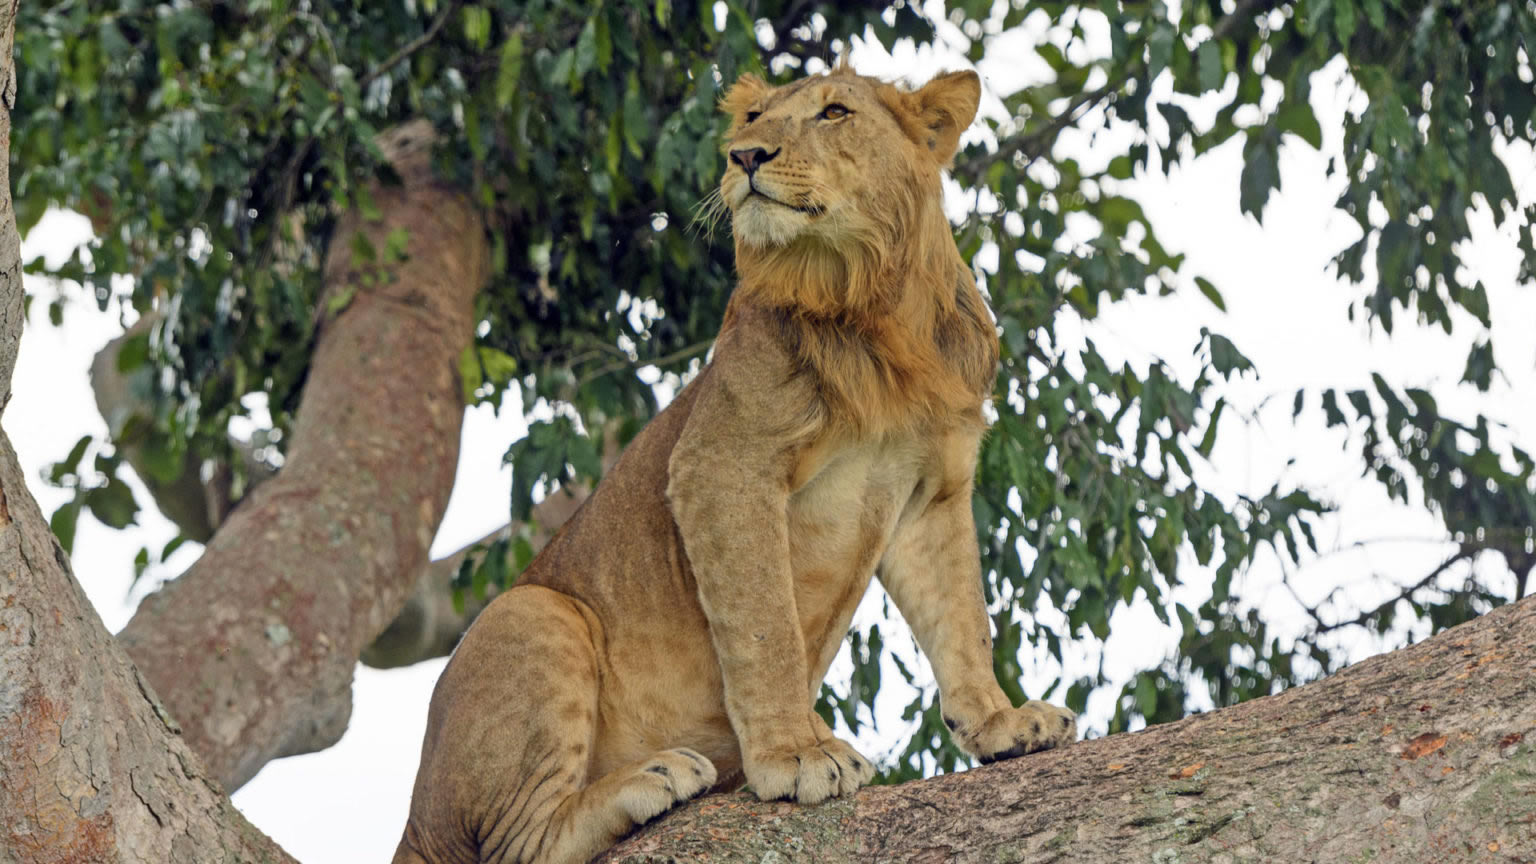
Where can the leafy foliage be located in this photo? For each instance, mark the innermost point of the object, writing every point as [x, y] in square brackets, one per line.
[213, 144]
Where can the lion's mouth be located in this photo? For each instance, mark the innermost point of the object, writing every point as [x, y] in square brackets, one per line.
[809, 210]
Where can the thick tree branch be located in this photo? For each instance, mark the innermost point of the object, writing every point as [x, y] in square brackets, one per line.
[253, 648]
[1425, 754]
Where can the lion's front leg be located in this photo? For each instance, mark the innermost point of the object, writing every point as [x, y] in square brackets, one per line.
[735, 534]
[932, 570]
[1011, 732]
[728, 490]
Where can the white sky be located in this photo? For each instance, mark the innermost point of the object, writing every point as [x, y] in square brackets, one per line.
[349, 803]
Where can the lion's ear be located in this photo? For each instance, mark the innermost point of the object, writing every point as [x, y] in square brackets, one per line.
[945, 107]
[740, 98]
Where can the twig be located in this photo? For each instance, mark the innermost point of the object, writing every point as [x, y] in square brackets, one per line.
[410, 47]
[1466, 552]
[682, 354]
[1036, 143]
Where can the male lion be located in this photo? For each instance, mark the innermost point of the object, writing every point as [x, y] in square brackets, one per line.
[671, 638]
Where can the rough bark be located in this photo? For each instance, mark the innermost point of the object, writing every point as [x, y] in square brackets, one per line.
[253, 648]
[91, 767]
[1427, 754]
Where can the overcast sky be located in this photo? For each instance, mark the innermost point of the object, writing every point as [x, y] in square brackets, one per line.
[1284, 309]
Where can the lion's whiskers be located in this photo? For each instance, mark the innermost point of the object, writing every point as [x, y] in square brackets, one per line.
[708, 212]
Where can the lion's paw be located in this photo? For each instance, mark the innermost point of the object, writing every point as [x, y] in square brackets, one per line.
[1031, 727]
[809, 775]
[664, 781]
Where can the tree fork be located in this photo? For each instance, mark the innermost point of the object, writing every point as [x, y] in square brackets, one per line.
[1427, 754]
[253, 648]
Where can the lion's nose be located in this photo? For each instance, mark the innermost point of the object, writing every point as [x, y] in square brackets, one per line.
[749, 160]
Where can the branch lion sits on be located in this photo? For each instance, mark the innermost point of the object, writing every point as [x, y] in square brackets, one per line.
[671, 638]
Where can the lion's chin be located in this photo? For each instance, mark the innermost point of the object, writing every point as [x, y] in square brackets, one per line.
[760, 222]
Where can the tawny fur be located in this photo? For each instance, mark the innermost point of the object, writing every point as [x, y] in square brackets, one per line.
[671, 638]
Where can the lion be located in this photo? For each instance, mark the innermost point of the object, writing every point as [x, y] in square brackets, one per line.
[672, 637]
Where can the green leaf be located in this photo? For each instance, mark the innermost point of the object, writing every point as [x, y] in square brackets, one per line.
[1395, 254]
[1296, 117]
[395, 245]
[1210, 293]
[71, 463]
[604, 42]
[470, 376]
[1225, 357]
[1480, 366]
[63, 523]
[133, 352]
[113, 504]
[1208, 443]
[509, 70]
[477, 26]
[586, 52]
[1344, 21]
[1159, 51]
[1331, 412]
[1212, 73]
[140, 564]
[1261, 173]
[340, 299]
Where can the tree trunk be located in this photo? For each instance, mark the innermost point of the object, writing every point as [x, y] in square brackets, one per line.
[91, 767]
[1427, 754]
[253, 648]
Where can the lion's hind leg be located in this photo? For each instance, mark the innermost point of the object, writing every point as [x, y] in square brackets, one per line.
[503, 777]
[600, 814]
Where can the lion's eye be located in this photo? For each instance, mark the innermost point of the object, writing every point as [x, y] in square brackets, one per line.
[834, 112]
[753, 115]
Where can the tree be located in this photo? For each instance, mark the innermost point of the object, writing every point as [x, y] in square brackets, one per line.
[233, 163]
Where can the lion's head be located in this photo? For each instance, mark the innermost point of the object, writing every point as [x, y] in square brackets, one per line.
[833, 188]
[837, 176]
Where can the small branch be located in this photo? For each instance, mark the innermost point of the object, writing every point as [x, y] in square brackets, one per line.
[683, 354]
[1466, 552]
[410, 47]
[1038, 142]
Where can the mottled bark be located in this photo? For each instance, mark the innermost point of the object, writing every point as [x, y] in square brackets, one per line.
[1424, 755]
[91, 767]
[253, 648]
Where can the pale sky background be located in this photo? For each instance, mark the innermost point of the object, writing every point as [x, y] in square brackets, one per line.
[1285, 310]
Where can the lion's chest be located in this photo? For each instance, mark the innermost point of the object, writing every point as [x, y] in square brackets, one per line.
[840, 522]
